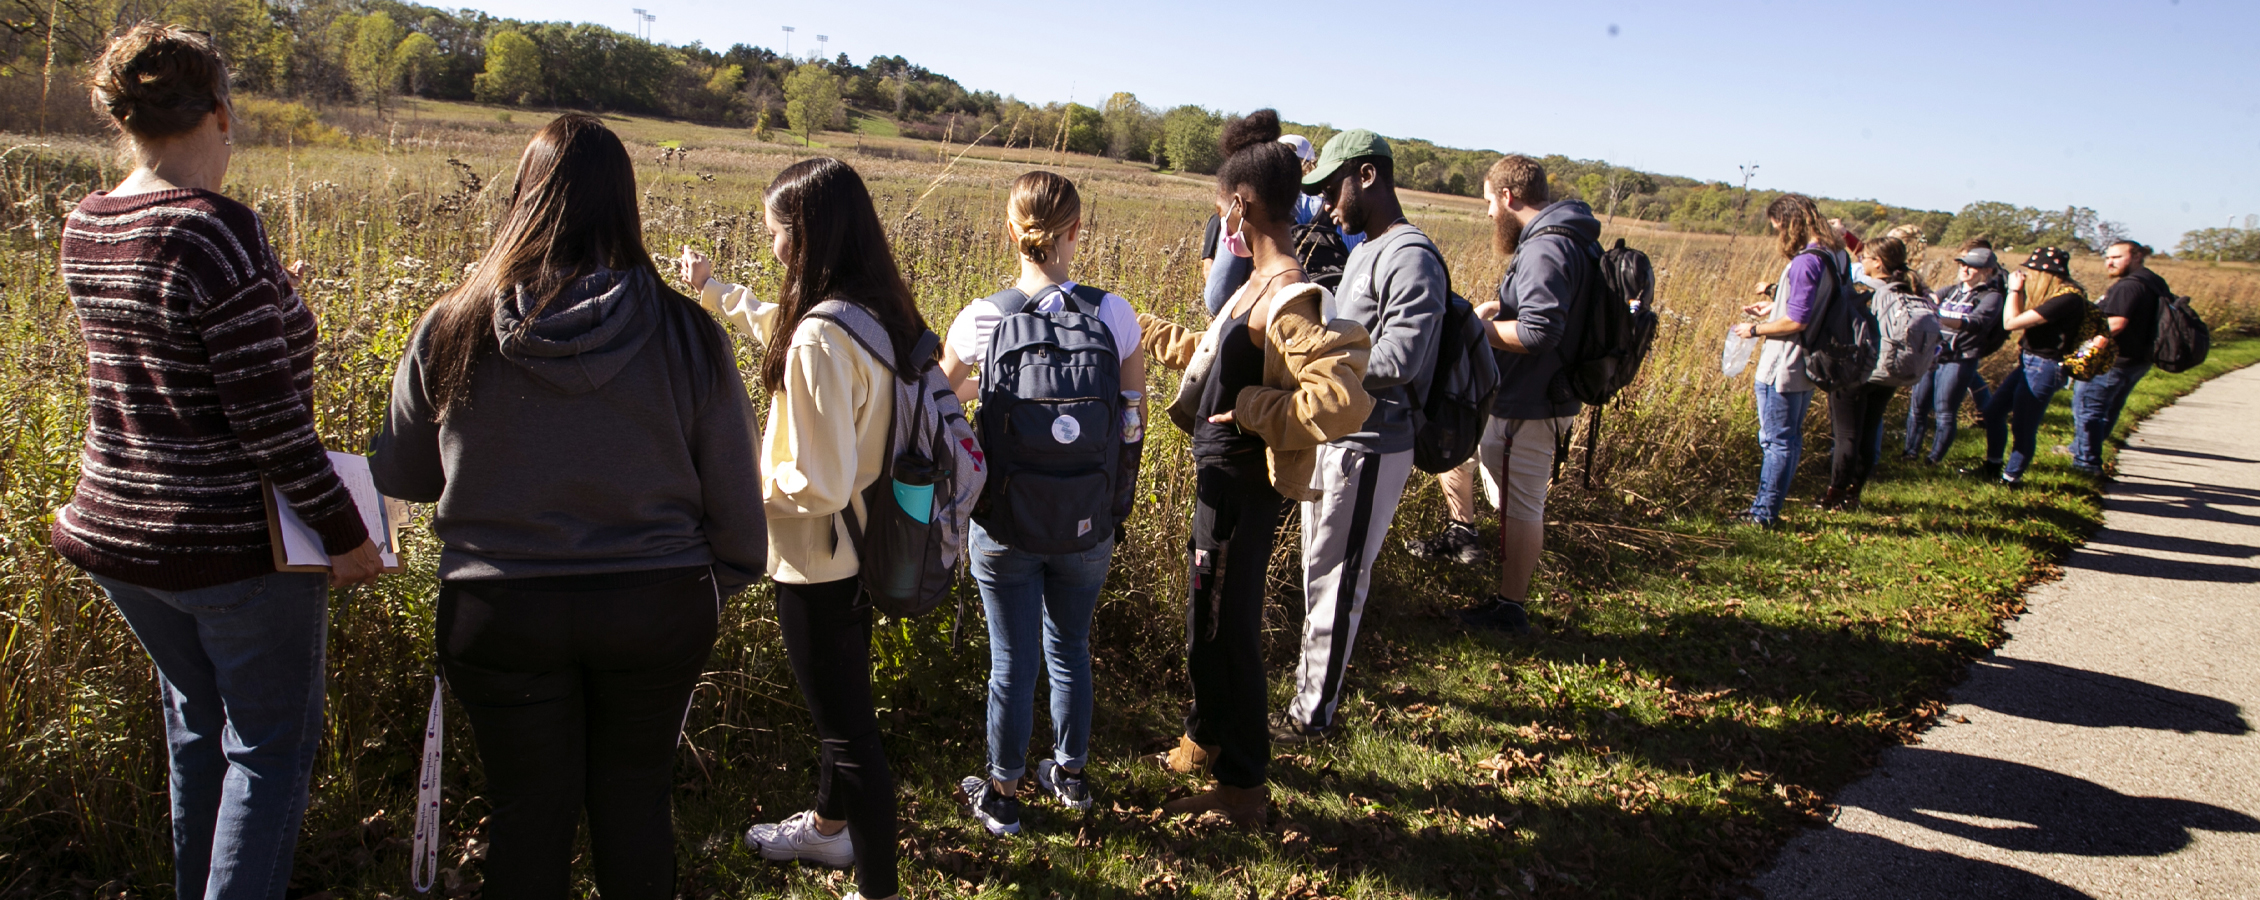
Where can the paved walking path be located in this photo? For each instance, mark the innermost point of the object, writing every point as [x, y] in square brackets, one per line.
[2109, 748]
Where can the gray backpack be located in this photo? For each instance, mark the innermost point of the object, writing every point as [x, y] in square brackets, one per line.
[1051, 419]
[1911, 336]
[919, 506]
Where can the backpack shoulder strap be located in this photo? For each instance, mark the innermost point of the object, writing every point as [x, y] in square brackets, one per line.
[1011, 301]
[860, 325]
[1429, 245]
[1088, 298]
[873, 337]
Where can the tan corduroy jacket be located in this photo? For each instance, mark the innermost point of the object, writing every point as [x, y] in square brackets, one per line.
[1313, 379]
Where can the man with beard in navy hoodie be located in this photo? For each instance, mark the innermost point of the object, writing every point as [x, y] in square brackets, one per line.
[1535, 321]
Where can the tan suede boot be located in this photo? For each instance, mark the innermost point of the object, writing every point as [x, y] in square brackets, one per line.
[1188, 758]
[1247, 807]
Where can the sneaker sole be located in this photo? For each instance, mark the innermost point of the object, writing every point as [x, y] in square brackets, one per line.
[995, 827]
[784, 856]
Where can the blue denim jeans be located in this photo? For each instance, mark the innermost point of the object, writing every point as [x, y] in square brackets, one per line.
[1937, 400]
[1024, 594]
[240, 667]
[2096, 405]
[2018, 406]
[1781, 437]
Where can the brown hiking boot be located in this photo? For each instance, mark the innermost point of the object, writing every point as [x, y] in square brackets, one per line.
[1188, 758]
[1246, 807]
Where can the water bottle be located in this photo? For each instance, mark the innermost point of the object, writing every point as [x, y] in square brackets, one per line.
[1133, 421]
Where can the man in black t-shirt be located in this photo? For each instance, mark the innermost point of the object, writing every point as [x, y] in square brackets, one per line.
[2131, 304]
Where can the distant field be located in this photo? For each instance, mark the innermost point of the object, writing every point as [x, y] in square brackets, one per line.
[1659, 742]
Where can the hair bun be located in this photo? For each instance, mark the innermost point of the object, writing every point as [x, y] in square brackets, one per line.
[159, 80]
[1259, 127]
[1035, 241]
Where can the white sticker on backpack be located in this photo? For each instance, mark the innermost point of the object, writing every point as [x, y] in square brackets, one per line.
[1082, 528]
[1066, 429]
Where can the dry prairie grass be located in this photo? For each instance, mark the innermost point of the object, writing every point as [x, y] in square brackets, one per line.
[387, 223]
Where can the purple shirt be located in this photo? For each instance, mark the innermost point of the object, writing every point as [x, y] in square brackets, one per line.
[1805, 271]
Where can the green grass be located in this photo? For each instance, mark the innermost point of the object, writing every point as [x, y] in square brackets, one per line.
[876, 126]
[1693, 702]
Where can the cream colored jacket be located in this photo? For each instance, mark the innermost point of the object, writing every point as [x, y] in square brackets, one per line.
[825, 440]
[1313, 388]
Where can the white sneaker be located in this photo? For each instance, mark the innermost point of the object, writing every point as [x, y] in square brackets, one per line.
[796, 838]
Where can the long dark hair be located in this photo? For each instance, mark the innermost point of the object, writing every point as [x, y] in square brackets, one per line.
[572, 209]
[834, 249]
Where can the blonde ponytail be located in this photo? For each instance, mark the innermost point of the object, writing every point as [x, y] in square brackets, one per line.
[1044, 208]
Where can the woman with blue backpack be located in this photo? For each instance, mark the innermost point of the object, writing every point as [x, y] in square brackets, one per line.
[831, 399]
[1060, 380]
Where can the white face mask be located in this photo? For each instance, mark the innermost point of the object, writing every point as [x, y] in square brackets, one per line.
[1236, 240]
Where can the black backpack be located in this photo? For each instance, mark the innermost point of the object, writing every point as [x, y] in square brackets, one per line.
[1619, 322]
[1322, 252]
[1841, 338]
[1620, 329]
[1451, 419]
[2183, 339]
[1050, 421]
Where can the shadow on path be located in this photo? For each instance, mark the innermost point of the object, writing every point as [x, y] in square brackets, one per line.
[1866, 866]
[2047, 692]
[2026, 809]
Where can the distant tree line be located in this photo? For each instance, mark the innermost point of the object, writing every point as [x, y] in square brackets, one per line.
[368, 52]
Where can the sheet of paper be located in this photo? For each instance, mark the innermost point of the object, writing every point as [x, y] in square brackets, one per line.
[302, 547]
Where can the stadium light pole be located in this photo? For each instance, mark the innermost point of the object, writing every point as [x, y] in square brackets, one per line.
[788, 42]
[821, 41]
[639, 21]
[648, 18]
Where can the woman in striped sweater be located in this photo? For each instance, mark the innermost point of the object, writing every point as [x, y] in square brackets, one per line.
[200, 374]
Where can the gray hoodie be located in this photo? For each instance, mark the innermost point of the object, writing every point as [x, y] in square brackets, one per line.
[1540, 293]
[1395, 287]
[604, 438]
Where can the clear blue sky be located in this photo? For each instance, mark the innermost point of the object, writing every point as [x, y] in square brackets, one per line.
[2146, 110]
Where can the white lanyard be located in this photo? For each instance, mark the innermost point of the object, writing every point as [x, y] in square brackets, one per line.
[423, 862]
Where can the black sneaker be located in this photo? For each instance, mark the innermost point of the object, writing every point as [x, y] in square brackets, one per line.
[1498, 614]
[994, 809]
[1459, 543]
[1072, 789]
[1286, 730]
[1989, 470]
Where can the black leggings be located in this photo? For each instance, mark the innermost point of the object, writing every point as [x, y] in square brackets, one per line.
[576, 689]
[828, 642]
[1235, 519]
[1856, 417]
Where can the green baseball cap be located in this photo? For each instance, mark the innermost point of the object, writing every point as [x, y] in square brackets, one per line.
[1342, 148]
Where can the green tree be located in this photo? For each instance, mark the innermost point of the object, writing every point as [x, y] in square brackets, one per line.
[1131, 127]
[1590, 187]
[418, 58]
[1086, 130]
[369, 60]
[513, 72]
[1189, 134]
[2005, 224]
[812, 100]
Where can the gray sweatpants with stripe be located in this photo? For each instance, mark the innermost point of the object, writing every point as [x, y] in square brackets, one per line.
[1343, 532]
